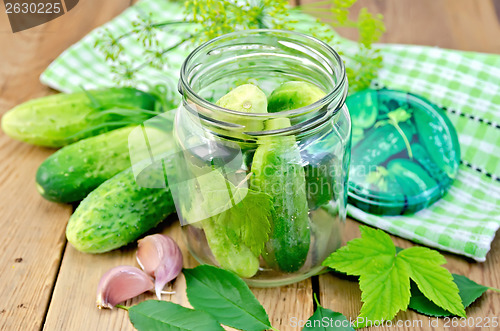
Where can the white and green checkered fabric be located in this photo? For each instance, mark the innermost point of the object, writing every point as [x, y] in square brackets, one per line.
[466, 85]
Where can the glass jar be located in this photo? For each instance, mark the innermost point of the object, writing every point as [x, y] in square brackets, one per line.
[262, 194]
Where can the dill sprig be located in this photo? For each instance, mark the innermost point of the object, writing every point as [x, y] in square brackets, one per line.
[218, 17]
[363, 66]
[213, 18]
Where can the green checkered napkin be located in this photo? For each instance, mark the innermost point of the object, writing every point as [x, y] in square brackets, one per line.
[466, 85]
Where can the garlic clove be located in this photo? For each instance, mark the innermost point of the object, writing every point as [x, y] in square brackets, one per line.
[149, 252]
[121, 283]
[165, 274]
[159, 256]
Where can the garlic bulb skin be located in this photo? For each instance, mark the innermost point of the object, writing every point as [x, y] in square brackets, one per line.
[160, 257]
[120, 284]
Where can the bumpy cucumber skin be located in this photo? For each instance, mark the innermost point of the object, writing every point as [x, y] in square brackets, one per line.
[293, 95]
[277, 163]
[319, 180]
[57, 120]
[72, 172]
[377, 146]
[117, 213]
[230, 254]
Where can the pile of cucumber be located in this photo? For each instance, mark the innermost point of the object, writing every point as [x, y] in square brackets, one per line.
[277, 170]
[93, 165]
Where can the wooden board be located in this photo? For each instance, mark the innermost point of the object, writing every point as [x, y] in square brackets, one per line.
[32, 228]
[53, 286]
[74, 294]
[469, 25]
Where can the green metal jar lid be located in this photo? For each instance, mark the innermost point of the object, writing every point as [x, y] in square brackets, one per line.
[405, 152]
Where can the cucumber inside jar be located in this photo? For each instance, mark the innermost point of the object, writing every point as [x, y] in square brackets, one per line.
[276, 170]
[292, 95]
[245, 98]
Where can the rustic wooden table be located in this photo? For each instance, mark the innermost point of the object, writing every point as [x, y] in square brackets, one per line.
[47, 284]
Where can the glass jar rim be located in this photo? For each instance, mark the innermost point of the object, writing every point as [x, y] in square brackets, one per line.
[184, 85]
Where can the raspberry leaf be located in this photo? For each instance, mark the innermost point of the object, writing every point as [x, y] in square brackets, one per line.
[434, 281]
[384, 276]
[372, 252]
[384, 293]
[469, 291]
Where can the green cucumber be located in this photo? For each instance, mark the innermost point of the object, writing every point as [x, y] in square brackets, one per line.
[277, 170]
[293, 95]
[229, 253]
[118, 212]
[72, 172]
[439, 144]
[60, 119]
[245, 98]
[320, 182]
[378, 145]
[414, 180]
[365, 106]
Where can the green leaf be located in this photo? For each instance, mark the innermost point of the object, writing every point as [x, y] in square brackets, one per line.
[225, 296]
[385, 275]
[469, 291]
[249, 221]
[422, 255]
[94, 103]
[244, 214]
[399, 115]
[384, 293]
[372, 252]
[163, 315]
[384, 280]
[434, 281]
[395, 117]
[326, 319]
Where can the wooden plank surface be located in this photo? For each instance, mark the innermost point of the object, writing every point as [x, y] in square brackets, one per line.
[33, 229]
[75, 291]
